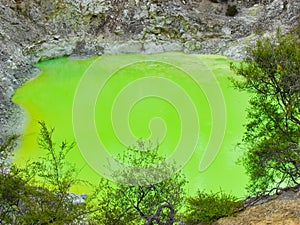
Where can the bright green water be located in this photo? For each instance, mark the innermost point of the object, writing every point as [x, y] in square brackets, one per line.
[184, 102]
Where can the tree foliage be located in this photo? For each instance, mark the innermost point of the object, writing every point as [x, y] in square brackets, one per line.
[141, 200]
[271, 72]
[38, 193]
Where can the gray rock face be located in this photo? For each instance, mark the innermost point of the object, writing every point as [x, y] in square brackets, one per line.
[35, 30]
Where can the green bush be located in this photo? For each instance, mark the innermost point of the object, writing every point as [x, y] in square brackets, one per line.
[231, 10]
[206, 208]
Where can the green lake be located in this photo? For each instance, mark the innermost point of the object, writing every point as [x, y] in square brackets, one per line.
[183, 102]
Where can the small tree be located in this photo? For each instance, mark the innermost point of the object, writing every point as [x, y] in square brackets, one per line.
[271, 72]
[148, 202]
[53, 176]
[39, 192]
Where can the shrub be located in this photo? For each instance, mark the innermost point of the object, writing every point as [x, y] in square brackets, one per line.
[231, 10]
[206, 208]
[38, 193]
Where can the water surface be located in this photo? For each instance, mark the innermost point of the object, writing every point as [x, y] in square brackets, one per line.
[142, 97]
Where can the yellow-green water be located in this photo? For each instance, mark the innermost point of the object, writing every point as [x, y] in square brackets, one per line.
[126, 97]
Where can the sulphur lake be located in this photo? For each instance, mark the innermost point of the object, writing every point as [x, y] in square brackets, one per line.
[185, 103]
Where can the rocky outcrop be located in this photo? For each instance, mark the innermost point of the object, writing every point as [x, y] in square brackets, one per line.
[35, 30]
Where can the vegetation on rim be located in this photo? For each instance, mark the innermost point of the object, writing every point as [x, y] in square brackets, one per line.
[138, 198]
[38, 193]
[206, 208]
[271, 72]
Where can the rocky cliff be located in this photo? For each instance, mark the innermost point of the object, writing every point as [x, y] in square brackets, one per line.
[35, 30]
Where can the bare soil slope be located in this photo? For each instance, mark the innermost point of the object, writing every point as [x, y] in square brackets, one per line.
[280, 209]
